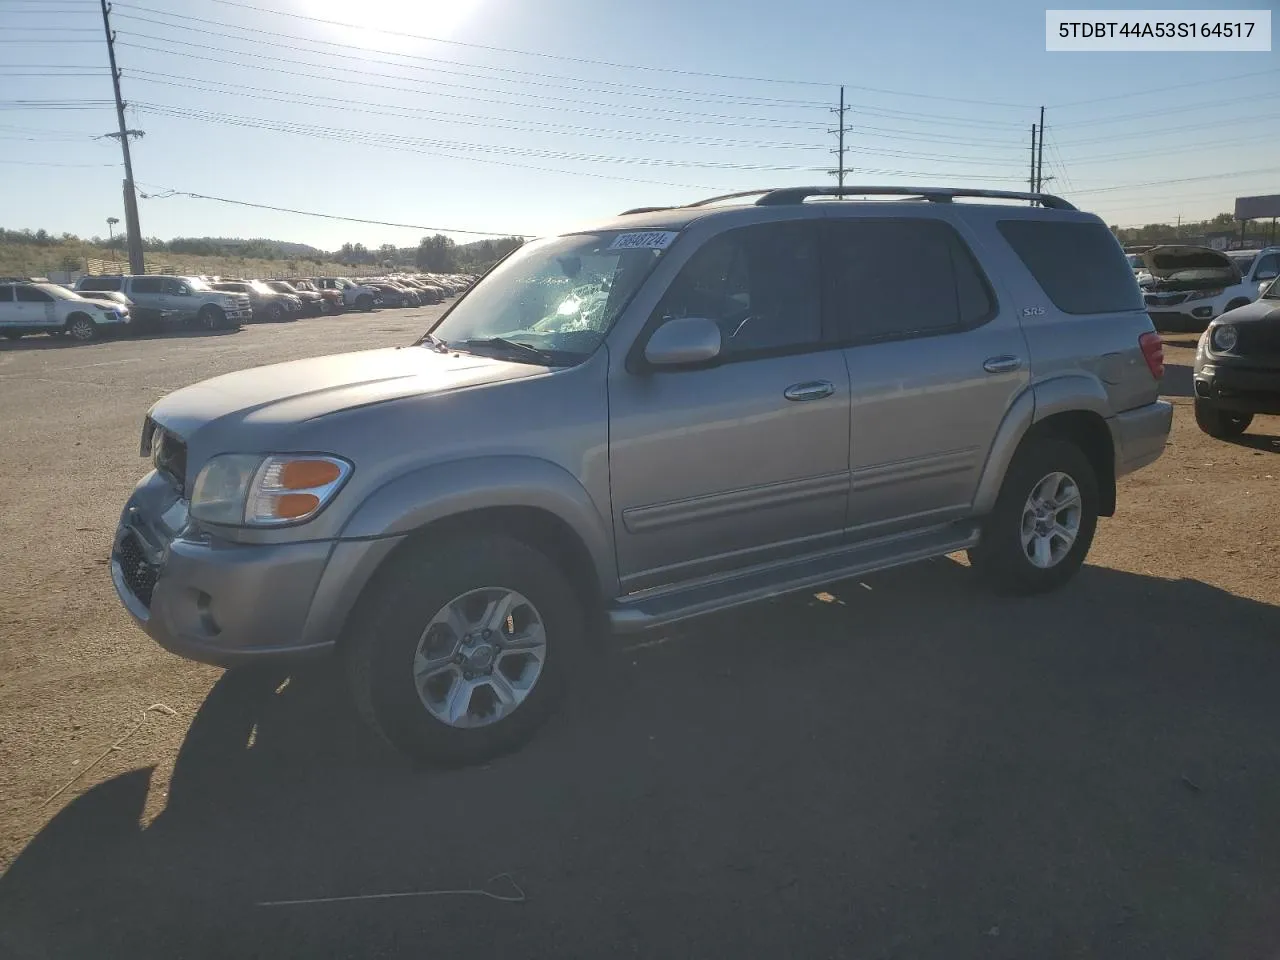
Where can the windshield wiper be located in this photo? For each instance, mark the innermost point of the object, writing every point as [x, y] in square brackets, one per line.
[502, 343]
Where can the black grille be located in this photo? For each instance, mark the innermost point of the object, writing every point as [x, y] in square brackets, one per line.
[1257, 339]
[1164, 299]
[139, 575]
[169, 454]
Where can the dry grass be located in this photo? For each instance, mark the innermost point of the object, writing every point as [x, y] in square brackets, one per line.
[21, 260]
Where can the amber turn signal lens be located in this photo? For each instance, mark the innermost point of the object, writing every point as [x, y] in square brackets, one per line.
[308, 474]
[290, 506]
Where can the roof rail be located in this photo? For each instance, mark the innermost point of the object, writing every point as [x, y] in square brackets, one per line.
[627, 213]
[787, 195]
[778, 196]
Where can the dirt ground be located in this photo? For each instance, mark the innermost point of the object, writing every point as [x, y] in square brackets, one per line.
[905, 766]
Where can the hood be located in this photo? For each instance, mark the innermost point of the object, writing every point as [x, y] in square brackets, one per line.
[1168, 260]
[1260, 311]
[287, 394]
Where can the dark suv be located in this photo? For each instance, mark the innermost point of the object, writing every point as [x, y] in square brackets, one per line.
[1237, 371]
[267, 304]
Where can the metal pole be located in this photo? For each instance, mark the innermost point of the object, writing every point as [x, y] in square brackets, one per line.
[1040, 156]
[133, 232]
[1031, 181]
[840, 179]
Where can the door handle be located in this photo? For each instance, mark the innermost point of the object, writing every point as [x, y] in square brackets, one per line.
[813, 390]
[1001, 364]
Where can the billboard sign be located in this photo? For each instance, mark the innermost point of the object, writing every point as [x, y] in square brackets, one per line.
[1258, 208]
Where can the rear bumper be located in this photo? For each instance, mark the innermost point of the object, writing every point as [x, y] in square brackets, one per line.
[1139, 435]
[1239, 389]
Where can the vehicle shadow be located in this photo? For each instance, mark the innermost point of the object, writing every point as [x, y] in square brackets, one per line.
[1258, 441]
[1178, 381]
[901, 766]
[35, 341]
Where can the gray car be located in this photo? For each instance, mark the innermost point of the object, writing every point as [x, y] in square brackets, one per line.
[674, 413]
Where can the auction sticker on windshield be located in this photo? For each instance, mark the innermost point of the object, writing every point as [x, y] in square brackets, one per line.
[645, 240]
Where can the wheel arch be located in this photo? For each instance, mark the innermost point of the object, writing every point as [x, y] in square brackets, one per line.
[1074, 408]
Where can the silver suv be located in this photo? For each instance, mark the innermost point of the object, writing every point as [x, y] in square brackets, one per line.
[187, 299]
[677, 412]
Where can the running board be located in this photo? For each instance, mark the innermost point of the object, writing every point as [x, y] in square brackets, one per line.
[662, 606]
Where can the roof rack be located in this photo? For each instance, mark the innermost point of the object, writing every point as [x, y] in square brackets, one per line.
[789, 195]
[627, 213]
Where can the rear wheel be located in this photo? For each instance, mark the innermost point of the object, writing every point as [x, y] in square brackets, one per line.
[81, 328]
[1044, 520]
[13, 334]
[461, 650]
[1220, 423]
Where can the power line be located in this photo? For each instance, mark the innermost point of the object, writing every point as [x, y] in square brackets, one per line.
[1133, 94]
[408, 113]
[1178, 110]
[629, 89]
[41, 163]
[166, 193]
[599, 63]
[1180, 129]
[365, 136]
[1161, 183]
[577, 105]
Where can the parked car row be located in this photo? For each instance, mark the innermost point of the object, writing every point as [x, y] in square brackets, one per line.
[102, 304]
[1185, 287]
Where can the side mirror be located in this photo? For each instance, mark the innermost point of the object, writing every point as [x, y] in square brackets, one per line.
[1265, 275]
[682, 341]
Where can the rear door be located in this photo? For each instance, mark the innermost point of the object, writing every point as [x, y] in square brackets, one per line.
[934, 362]
[148, 292]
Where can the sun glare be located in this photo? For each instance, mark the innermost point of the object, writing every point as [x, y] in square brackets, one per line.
[425, 18]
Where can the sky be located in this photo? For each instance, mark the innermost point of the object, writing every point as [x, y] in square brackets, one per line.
[508, 116]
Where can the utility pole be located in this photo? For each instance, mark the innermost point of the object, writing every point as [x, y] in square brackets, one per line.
[133, 232]
[1040, 156]
[1031, 181]
[840, 131]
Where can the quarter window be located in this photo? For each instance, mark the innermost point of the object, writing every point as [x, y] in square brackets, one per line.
[761, 284]
[1079, 265]
[1268, 266]
[893, 279]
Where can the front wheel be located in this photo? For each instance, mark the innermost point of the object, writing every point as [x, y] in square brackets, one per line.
[1044, 520]
[461, 650]
[13, 334]
[1219, 423]
[211, 318]
[275, 313]
[364, 302]
[81, 328]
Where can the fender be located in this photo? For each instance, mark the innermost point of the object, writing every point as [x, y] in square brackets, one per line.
[432, 493]
[1060, 394]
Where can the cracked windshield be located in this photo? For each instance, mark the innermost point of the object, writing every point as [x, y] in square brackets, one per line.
[559, 296]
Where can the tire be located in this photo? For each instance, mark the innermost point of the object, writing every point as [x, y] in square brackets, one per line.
[211, 318]
[13, 334]
[81, 328]
[364, 302]
[401, 617]
[275, 313]
[322, 308]
[1219, 423]
[1003, 558]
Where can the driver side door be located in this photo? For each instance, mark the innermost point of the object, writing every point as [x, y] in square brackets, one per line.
[715, 468]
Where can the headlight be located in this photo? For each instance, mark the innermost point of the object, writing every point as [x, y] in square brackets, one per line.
[1204, 294]
[249, 490]
[1224, 338]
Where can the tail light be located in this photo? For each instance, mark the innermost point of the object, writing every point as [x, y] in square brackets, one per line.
[1153, 352]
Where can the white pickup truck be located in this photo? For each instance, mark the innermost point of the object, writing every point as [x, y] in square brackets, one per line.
[48, 308]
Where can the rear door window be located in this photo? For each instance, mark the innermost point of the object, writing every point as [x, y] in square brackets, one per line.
[100, 283]
[895, 279]
[148, 285]
[31, 295]
[1080, 266]
[6, 294]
